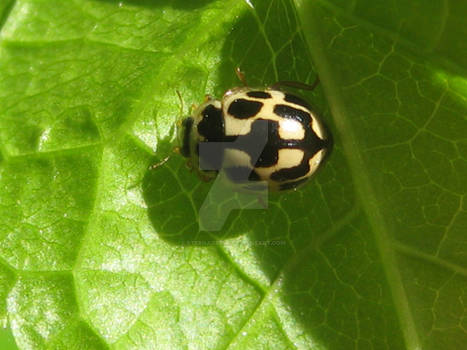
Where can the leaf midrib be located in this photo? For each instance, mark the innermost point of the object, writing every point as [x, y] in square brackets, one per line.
[363, 188]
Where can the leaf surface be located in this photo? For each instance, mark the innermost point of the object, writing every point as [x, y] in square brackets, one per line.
[98, 250]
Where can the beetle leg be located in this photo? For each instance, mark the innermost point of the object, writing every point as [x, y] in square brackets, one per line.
[241, 76]
[158, 164]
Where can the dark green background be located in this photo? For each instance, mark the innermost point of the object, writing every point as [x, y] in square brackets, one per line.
[99, 251]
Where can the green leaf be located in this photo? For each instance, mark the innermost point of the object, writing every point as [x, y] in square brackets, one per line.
[98, 250]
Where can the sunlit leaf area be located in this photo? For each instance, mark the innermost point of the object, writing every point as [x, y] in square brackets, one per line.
[101, 250]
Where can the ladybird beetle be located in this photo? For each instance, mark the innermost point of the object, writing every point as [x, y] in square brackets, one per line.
[295, 141]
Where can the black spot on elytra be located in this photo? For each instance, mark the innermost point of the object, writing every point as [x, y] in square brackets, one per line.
[244, 109]
[187, 125]
[289, 112]
[261, 131]
[211, 125]
[310, 144]
[296, 100]
[268, 130]
[258, 94]
[293, 172]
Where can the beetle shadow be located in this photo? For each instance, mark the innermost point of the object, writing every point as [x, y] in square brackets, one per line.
[174, 195]
[273, 237]
[184, 210]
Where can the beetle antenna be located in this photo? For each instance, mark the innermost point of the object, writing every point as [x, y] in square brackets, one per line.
[181, 102]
